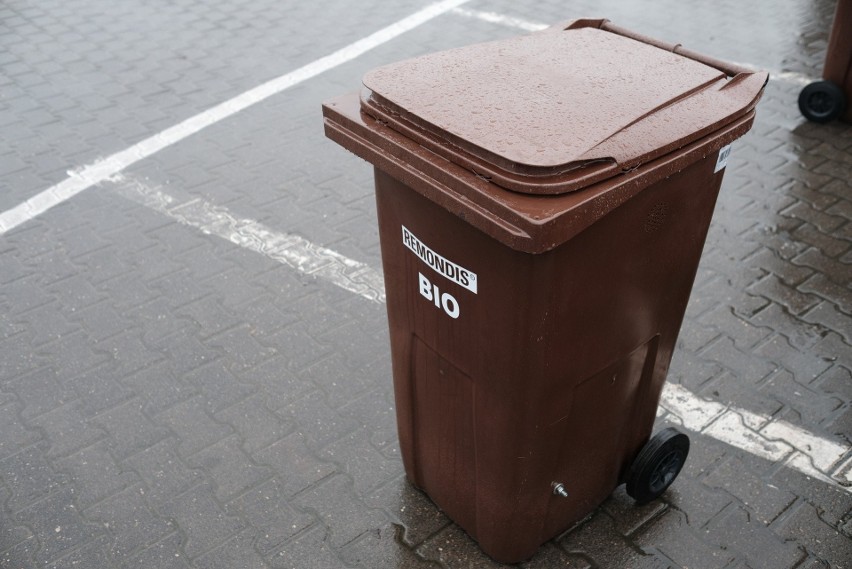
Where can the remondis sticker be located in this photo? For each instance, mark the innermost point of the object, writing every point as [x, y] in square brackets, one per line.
[439, 264]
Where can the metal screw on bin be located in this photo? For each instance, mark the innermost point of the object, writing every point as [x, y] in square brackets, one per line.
[560, 490]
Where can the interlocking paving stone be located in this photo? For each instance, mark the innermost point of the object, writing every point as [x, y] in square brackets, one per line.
[672, 538]
[310, 549]
[168, 399]
[29, 477]
[267, 507]
[340, 510]
[218, 386]
[201, 518]
[165, 554]
[382, 548]
[58, 526]
[367, 467]
[39, 392]
[805, 527]
[14, 434]
[130, 430]
[317, 422]
[67, 430]
[91, 554]
[230, 468]
[627, 516]
[236, 553]
[12, 535]
[763, 500]
[597, 538]
[130, 522]
[163, 472]
[751, 540]
[298, 468]
[96, 473]
[159, 386]
[411, 508]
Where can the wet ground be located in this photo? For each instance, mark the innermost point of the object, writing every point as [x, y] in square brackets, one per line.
[194, 364]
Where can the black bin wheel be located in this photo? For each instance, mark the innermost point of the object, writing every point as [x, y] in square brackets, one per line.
[822, 101]
[657, 465]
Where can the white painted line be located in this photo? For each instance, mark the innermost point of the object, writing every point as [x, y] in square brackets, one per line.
[84, 178]
[730, 428]
[528, 26]
[291, 250]
[792, 77]
[760, 435]
[785, 76]
[500, 19]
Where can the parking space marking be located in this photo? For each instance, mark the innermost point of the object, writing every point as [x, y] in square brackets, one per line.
[527, 26]
[88, 176]
[501, 19]
[760, 435]
[291, 250]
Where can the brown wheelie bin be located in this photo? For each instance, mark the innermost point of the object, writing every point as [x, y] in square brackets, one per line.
[543, 202]
[826, 100]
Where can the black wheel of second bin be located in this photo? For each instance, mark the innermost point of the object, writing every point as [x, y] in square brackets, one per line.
[822, 101]
[657, 465]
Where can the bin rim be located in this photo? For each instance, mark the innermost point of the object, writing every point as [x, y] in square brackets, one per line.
[530, 223]
[699, 95]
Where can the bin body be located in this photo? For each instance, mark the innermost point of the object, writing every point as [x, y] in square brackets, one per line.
[552, 372]
[838, 56]
[535, 294]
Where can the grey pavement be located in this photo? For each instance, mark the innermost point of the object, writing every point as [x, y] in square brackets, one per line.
[169, 398]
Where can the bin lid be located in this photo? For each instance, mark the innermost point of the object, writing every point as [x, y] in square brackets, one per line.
[554, 111]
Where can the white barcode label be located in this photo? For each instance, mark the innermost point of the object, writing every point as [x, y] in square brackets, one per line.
[722, 161]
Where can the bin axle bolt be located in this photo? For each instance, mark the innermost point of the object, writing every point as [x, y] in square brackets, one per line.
[560, 490]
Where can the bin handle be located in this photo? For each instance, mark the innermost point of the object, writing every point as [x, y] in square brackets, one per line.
[729, 69]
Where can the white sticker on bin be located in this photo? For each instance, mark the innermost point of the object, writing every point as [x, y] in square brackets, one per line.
[722, 160]
[446, 268]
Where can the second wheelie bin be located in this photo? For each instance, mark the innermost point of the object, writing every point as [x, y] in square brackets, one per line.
[831, 98]
[543, 202]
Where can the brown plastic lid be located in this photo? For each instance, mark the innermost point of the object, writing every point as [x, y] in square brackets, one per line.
[557, 110]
